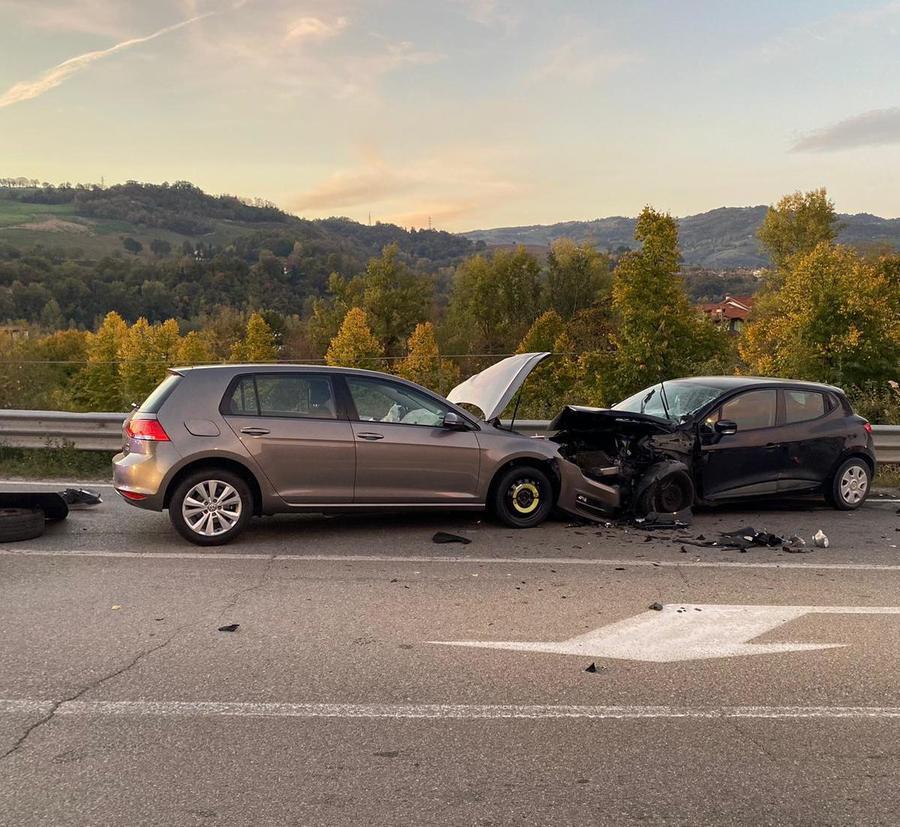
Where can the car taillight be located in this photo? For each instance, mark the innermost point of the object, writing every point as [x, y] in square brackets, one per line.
[149, 429]
[868, 427]
[131, 495]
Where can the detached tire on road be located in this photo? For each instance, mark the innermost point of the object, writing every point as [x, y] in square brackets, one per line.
[523, 497]
[20, 524]
[211, 507]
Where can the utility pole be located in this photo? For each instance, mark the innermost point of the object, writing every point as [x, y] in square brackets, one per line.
[429, 222]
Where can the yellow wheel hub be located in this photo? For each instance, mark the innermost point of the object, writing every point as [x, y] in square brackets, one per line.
[525, 496]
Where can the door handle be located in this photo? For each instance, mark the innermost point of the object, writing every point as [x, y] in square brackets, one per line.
[254, 431]
[369, 435]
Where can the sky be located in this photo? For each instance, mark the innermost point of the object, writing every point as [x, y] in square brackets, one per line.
[467, 113]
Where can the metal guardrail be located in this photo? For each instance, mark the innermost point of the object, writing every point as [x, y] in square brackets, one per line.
[103, 431]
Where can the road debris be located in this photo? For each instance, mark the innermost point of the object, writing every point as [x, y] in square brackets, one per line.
[446, 537]
[657, 607]
[80, 498]
[594, 669]
[820, 538]
[231, 627]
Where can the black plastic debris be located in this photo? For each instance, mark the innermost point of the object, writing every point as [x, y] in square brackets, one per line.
[657, 607]
[80, 498]
[446, 537]
[653, 521]
[594, 669]
[231, 627]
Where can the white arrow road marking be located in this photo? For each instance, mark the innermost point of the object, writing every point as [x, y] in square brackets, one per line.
[684, 632]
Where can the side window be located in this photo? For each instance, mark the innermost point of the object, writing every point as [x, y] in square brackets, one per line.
[751, 410]
[378, 401]
[289, 395]
[242, 401]
[295, 395]
[801, 406]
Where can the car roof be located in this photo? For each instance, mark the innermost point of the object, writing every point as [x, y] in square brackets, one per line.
[727, 383]
[242, 367]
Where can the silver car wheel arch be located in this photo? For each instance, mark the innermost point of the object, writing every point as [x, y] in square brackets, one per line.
[211, 508]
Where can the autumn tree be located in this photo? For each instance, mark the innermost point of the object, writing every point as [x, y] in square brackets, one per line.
[797, 224]
[660, 335]
[258, 344]
[97, 385]
[193, 350]
[835, 318]
[423, 363]
[355, 346]
[494, 301]
[577, 276]
[145, 353]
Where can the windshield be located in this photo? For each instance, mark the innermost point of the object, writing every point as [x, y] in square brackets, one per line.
[679, 398]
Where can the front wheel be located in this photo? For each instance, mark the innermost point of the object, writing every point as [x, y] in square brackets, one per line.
[211, 507]
[523, 497]
[850, 485]
[671, 494]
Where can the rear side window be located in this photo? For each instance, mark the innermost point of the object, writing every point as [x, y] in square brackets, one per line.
[801, 406]
[751, 410]
[303, 396]
[160, 394]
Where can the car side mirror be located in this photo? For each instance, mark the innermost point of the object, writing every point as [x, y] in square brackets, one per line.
[726, 427]
[454, 422]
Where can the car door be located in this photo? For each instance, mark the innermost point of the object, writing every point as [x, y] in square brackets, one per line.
[404, 454]
[813, 438]
[289, 424]
[749, 461]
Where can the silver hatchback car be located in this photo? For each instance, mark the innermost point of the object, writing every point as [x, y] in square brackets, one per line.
[218, 445]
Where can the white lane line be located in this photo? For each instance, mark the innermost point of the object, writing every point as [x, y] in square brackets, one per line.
[417, 559]
[432, 711]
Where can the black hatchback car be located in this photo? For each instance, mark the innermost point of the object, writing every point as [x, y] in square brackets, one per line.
[722, 438]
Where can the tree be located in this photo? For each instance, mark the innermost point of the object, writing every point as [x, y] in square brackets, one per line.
[577, 276]
[97, 385]
[355, 346]
[834, 319]
[660, 335]
[160, 247]
[797, 224]
[132, 245]
[258, 344]
[193, 350]
[423, 363]
[494, 301]
[146, 352]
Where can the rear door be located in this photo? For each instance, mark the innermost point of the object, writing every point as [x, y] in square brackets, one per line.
[290, 424]
[750, 461]
[403, 452]
[813, 438]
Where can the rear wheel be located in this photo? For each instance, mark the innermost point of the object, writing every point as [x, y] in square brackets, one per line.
[672, 493]
[523, 497]
[211, 507]
[850, 485]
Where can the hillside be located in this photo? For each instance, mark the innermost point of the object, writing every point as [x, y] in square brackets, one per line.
[720, 239]
[93, 222]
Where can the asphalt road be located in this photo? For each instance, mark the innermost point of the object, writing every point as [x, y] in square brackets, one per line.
[339, 701]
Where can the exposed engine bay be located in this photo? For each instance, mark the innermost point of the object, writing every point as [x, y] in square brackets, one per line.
[646, 460]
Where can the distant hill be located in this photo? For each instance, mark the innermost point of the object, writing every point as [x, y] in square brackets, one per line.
[94, 221]
[720, 239]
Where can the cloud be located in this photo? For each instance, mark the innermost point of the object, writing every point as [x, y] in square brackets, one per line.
[26, 90]
[314, 28]
[355, 187]
[582, 60]
[96, 17]
[491, 13]
[874, 128]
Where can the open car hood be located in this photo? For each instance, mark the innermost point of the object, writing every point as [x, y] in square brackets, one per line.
[491, 390]
[581, 418]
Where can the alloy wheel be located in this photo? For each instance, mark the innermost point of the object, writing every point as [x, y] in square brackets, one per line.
[211, 508]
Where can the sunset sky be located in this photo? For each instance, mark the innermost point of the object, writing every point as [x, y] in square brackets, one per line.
[478, 113]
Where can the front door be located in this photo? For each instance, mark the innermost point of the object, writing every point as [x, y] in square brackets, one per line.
[748, 462]
[403, 452]
[289, 424]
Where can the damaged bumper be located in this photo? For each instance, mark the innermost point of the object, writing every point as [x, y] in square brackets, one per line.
[586, 497]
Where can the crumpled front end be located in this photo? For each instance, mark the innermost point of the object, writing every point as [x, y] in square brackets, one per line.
[612, 459]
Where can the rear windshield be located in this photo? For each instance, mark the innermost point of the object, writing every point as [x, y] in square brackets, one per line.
[154, 402]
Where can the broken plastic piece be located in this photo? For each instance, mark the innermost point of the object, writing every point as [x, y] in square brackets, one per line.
[80, 498]
[446, 537]
[820, 538]
[231, 627]
[657, 607]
